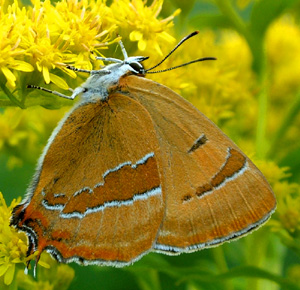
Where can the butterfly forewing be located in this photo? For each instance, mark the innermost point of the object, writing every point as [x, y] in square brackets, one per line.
[97, 197]
[213, 191]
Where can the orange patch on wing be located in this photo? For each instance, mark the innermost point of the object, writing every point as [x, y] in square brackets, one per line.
[234, 163]
[120, 185]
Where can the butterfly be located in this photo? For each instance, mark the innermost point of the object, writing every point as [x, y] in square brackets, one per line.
[135, 168]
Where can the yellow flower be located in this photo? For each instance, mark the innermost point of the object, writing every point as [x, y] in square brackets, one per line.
[87, 25]
[22, 131]
[283, 49]
[288, 209]
[273, 172]
[46, 37]
[289, 214]
[12, 53]
[13, 250]
[43, 38]
[142, 24]
[13, 244]
[56, 276]
[67, 33]
[286, 220]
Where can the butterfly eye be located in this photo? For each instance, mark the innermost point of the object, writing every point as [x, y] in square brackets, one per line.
[138, 67]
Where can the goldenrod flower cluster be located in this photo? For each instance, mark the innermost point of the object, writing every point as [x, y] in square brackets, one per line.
[13, 244]
[46, 36]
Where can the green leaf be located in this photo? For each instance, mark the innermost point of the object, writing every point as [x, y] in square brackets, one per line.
[292, 160]
[147, 279]
[151, 261]
[211, 20]
[265, 11]
[255, 272]
[8, 93]
[247, 272]
[287, 122]
[185, 6]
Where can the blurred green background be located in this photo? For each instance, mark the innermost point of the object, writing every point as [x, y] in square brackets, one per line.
[253, 94]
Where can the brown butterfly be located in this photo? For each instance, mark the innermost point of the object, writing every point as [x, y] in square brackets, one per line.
[135, 168]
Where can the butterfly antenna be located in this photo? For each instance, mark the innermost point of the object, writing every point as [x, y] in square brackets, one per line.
[181, 65]
[184, 64]
[178, 44]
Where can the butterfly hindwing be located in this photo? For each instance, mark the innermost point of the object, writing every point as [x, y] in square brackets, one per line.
[213, 191]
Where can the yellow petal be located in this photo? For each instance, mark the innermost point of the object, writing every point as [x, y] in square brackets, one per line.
[177, 12]
[46, 75]
[44, 264]
[3, 269]
[8, 74]
[142, 45]
[9, 275]
[157, 48]
[135, 35]
[59, 81]
[39, 67]
[22, 66]
[166, 36]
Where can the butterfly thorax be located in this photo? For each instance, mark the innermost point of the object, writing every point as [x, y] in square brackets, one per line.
[97, 85]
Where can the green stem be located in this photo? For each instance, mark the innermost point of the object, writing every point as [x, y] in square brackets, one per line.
[256, 47]
[148, 280]
[228, 11]
[219, 257]
[6, 103]
[12, 98]
[255, 42]
[293, 112]
[256, 255]
[261, 142]
[43, 102]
